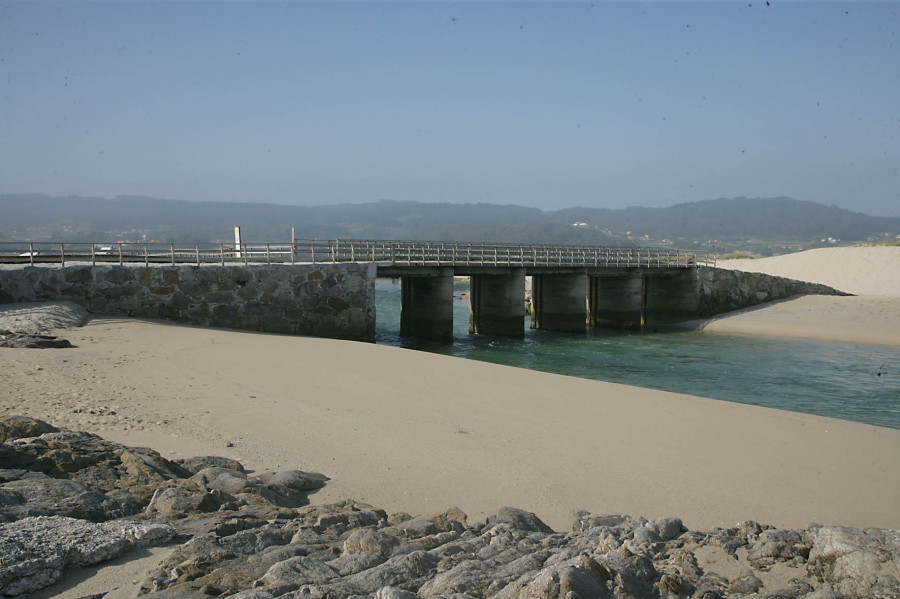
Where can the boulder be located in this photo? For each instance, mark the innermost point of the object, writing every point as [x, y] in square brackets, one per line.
[20, 427]
[34, 551]
[519, 519]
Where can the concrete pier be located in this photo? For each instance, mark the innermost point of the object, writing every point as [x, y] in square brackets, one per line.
[673, 297]
[497, 304]
[426, 309]
[558, 302]
[615, 301]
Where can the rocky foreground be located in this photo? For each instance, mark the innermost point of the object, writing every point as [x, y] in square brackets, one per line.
[70, 499]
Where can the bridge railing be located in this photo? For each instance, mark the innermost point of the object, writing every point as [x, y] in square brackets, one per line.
[427, 253]
[411, 253]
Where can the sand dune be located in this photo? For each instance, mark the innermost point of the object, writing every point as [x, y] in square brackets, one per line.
[857, 270]
[872, 316]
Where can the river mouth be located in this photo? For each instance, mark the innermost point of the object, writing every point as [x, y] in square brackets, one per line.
[848, 381]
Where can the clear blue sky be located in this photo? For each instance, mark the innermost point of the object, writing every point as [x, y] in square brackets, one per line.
[546, 104]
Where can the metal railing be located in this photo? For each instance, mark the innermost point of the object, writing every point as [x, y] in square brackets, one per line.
[410, 253]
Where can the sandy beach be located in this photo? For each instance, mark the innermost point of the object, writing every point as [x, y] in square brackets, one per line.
[860, 270]
[419, 432]
[871, 315]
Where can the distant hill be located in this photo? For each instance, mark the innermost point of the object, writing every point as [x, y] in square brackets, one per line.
[738, 219]
[134, 218]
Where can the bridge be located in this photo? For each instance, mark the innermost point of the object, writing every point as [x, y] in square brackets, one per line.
[572, 286]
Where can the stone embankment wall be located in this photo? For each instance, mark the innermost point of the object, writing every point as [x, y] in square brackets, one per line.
[724, 290]
[335, 301]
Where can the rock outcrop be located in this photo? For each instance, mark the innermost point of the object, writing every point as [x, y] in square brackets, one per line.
[253, 537]
[72, 498]
[352, 550]
[32, 341]
[36, 550]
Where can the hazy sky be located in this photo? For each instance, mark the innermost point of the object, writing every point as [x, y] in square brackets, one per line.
[546, 104]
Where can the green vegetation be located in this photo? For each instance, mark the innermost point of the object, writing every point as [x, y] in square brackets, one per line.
[739, 256]
[890, 243]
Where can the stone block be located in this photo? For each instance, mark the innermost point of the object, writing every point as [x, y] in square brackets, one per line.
[178, 301]
[240, 274]
[282, 301]
[225, 312]
[131, 288]
[111, 291]
[170, 313]
[170, 276]
[145, 275]
[268, 285]
[77, 290]
[248, 291]
[194, 288]
[199, 311]
[253, 308]
[206, 275]
[79, 274]
[220, 297]
[146, 311]
[338, 304]
[115, 274]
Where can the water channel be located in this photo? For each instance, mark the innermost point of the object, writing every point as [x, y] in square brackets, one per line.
[840, 380]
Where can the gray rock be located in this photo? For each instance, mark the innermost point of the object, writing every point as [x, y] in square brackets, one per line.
[856, 563]
[646, 534]
[196, 464]
[32, 341]
[470, 576]
[19, 427]
[178, 501]
[667, 528]
[777, 546]
[34, 551]
[222, 479]
[370, 541]
[519, 519]
[394, 593]
[397, 571]
[293, 573]
[296, 480]
[745, 585]
[251, 538]
[418, 527]
[354, 563]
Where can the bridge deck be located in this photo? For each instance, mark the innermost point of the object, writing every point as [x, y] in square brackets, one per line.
[396, 254]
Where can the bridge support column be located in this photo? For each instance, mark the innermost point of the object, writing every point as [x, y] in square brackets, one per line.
[615, 302]
[498, 304]
[671, 298]
[558, 302]
[426, 308]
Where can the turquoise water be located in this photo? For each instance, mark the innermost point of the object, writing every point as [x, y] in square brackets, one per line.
[840, 380]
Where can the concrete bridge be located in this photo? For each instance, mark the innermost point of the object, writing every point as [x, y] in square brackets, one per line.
[572, 286]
